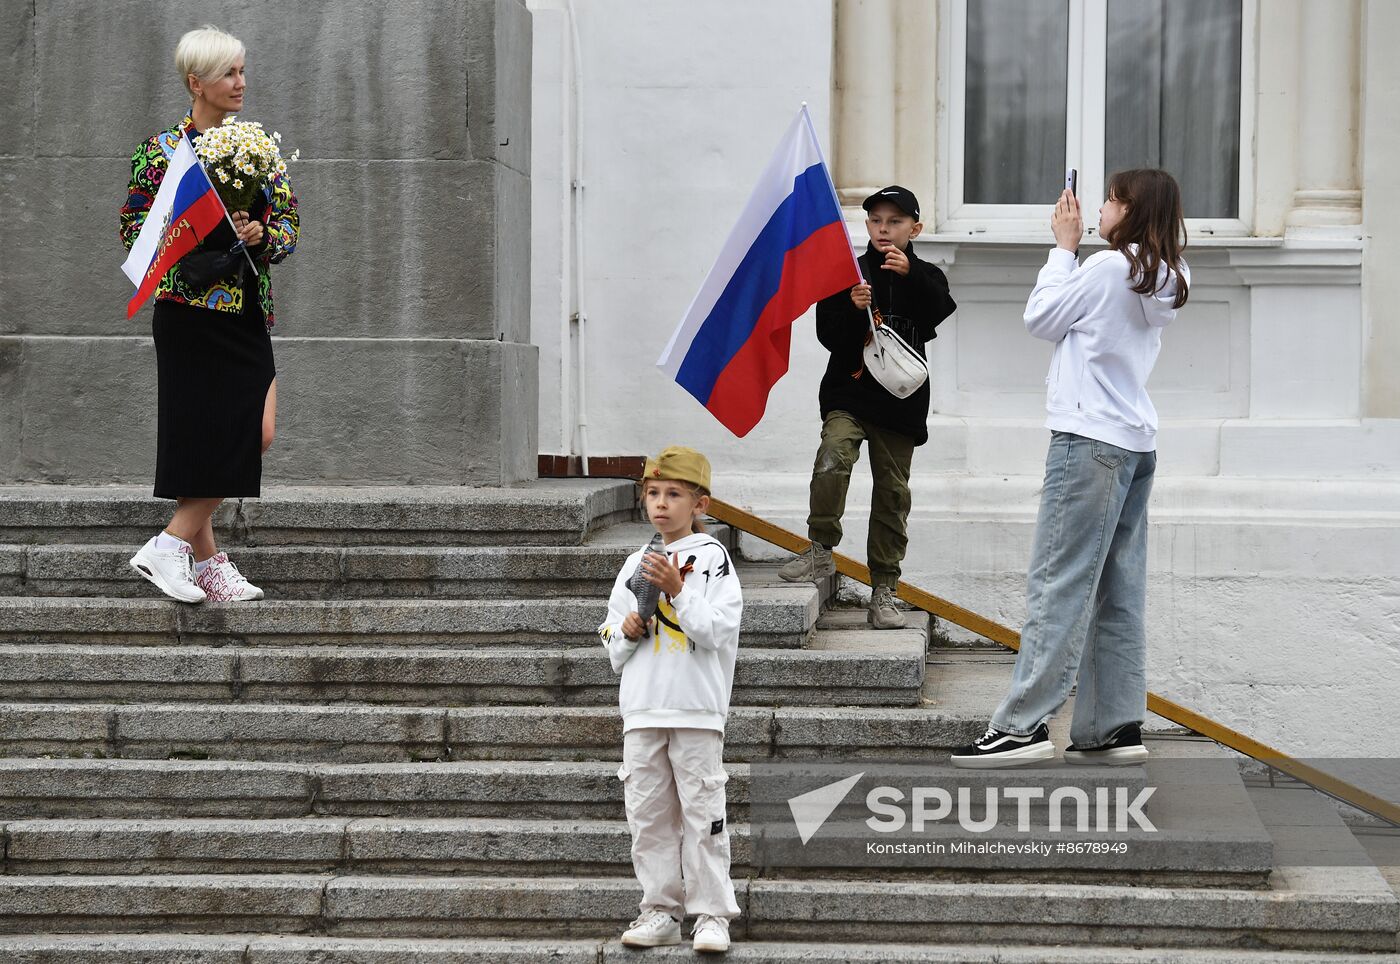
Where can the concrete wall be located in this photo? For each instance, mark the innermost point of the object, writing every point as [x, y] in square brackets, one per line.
[402, 318]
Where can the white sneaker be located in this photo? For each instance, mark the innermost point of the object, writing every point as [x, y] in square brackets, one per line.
[222, 582]
[655, 928]
[711, 934]
[172, 570]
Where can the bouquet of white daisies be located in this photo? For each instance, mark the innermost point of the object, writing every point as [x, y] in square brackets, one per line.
[241, 158]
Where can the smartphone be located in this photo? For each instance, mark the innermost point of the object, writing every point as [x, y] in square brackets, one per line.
[1072, 181]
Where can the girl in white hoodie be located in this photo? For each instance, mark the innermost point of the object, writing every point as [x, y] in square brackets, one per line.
[1087, 587]
[677, 673]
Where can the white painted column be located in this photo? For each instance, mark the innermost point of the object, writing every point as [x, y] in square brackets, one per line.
[1276, 127]
[551, 249]
[916, 103]
[1380, 163]
[1328, 193]
[865, 108]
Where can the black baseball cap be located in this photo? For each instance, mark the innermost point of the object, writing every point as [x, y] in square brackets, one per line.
[900, 197]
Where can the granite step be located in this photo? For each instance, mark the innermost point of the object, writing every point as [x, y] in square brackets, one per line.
[542, 512]
[298, 949]
[364, 572]
[531, 789]
[1299, 913]
[335, 572]
[1177, 849]
[364, 734]
[893, 675]
[774, 616]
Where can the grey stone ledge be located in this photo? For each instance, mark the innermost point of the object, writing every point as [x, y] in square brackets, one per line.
[358, 734]
[562, 510]
[780, 616]
[524, 675]
[294, 949]
[773, 909]
[519, 846]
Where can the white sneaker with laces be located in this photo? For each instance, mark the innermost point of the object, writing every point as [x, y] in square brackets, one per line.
[711, 934]
[996, 748]
[655, 928]
[222, 582]
[171, 570]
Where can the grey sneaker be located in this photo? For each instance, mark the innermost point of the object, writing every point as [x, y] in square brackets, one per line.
[813, 565]
[883, 613]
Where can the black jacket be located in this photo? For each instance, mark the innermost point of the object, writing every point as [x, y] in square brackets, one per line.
[913, 306]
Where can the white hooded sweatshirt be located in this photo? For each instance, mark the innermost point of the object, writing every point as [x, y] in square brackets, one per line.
[1107, 338]
[682, 674]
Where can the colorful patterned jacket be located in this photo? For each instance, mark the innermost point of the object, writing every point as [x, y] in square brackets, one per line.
[280, 227]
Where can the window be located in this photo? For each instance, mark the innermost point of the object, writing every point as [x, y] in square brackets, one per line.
[1038, 86]
[1016, 96]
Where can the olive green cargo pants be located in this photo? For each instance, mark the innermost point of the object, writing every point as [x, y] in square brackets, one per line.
[890, 457]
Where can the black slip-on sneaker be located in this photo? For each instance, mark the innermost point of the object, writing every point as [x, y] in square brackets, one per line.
[997, 749]
[1123, 748]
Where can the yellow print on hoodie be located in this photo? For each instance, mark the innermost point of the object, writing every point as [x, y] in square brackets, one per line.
[668, 626]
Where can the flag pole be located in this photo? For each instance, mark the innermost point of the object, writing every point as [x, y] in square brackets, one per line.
[816, 142]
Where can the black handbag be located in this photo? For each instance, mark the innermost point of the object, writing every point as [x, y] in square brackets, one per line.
[220, 257]
[205, 267]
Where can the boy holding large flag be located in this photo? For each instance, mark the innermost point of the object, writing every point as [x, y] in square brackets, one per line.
[912, 296]
[788, 251]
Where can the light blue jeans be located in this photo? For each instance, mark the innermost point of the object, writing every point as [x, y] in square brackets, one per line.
[1086, 594]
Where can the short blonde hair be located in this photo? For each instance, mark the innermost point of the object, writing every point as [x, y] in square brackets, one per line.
[206, 53]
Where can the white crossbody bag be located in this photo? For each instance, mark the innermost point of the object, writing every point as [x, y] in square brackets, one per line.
[891, 359]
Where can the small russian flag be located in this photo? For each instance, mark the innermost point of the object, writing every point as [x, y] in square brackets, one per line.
[788, 251]
[184, 211]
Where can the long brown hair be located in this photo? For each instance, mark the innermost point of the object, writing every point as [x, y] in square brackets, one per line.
[1152, 221]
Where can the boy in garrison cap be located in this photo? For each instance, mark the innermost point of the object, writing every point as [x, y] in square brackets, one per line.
[677, 675]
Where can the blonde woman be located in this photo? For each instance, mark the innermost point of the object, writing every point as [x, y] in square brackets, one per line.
[212, 321]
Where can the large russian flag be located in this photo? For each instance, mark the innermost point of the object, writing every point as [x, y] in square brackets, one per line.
[788, 251]
[185, 210]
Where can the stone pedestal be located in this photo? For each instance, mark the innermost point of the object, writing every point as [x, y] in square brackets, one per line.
[402, 335]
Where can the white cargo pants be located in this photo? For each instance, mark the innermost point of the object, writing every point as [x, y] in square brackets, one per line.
[673, 783]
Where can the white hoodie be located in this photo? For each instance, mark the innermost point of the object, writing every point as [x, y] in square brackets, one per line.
[1107, 339]
[682, 675]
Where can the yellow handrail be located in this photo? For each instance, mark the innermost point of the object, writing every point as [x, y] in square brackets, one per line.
[1332, 786]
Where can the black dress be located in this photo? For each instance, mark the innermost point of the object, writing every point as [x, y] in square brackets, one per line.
[214, 369]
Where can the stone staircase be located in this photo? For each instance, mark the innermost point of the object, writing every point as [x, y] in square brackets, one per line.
[408, 752]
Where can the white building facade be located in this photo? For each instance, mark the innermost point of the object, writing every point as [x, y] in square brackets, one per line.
[1274, 600]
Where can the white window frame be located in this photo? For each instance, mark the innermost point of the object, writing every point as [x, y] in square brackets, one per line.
[1084, 140]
